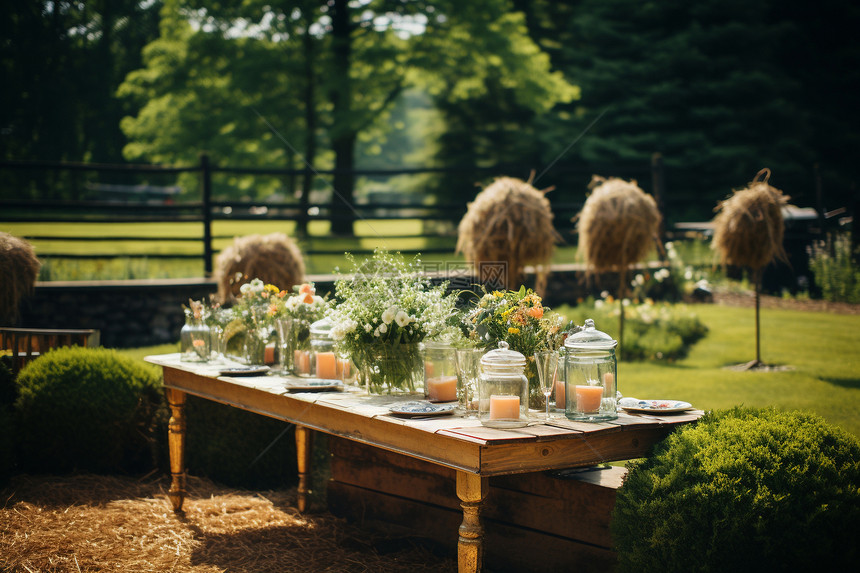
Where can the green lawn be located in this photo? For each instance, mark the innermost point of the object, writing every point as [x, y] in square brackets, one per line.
[822, 349]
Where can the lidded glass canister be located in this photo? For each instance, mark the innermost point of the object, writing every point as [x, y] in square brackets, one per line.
[591, 375]
[503, 390]
[323, 359]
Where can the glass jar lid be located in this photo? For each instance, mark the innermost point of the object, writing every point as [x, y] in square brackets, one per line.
[321, 328]
[589, 338]
[503, 357]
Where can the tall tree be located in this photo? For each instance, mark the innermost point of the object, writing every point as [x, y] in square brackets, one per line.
[366, 55]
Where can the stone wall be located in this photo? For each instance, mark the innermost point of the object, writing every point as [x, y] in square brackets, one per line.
[138, 313]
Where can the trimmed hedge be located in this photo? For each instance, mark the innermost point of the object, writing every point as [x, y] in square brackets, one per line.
[86, 409]
[743, 490]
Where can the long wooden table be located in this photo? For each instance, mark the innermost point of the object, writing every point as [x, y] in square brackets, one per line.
[463, 444]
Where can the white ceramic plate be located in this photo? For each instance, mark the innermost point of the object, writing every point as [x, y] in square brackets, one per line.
[422, 409]
[654, 406]
[313, 385]
[244, 371]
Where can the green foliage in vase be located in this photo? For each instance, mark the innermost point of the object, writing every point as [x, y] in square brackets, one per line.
[743, 490]
[86, 409]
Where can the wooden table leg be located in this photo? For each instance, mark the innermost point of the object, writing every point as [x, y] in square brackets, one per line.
[304, 442]
[472, 490]
[176, 447]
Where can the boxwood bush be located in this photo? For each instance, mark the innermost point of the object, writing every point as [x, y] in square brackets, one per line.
[86, 409]
[743, 490]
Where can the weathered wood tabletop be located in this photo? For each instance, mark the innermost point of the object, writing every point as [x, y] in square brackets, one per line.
[474, 451]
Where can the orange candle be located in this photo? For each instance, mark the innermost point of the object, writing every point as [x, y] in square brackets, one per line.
[588, 398]
[442, 389]
[302, 361]
[326, 365]
[504, 407]
[559, 395]
[269, 356]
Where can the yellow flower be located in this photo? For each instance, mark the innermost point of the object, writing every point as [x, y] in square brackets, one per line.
[272, 289]
[498, 294]
[513, 330]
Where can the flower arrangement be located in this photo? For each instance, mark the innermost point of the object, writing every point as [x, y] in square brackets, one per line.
[520, 319]
[382, 311]
[303, 305]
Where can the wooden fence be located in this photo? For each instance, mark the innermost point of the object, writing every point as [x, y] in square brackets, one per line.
[208, 209]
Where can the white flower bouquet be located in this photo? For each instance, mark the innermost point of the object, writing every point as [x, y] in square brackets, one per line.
[382, 312]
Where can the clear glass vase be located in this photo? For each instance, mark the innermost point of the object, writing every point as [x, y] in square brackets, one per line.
[194, 341]
[255, 346]
[391, 369]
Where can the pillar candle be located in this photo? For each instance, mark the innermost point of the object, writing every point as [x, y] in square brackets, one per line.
[302, 361]
[326, 365]
[442, 389]
[504, 407]
[588, 398]
[559, 394]
[269, 356]
[608, 380]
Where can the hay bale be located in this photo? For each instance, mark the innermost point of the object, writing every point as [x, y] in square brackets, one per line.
[20, 268]
[748, 228]
[617, 225]
[274, 259]
[509, 222]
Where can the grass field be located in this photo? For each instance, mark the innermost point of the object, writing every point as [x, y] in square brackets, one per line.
[821, 349]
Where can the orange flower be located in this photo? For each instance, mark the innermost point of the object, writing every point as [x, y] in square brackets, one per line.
[308, 298]
[306, 288]
[535, 312]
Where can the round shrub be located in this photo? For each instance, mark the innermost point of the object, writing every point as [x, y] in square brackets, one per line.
[743, 490]
[86, 409]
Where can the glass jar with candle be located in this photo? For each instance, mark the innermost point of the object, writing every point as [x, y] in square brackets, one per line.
[194, 340]
[503, 390]
[322, 357]
[440, 371]
[590, 375]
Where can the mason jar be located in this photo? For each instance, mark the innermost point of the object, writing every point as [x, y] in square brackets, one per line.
[440, 371]
[194, 341]
[323, 357]
[503, 389]
[591, 381]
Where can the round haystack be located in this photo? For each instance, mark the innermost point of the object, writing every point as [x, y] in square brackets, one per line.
[508, 225]
[274, 259]
[20, 268]
[617, 225]
[748, 228]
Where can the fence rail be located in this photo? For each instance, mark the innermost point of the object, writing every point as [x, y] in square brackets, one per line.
[208, 210]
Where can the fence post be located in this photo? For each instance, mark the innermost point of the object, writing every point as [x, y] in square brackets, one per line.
[206, 176]
[657, 184]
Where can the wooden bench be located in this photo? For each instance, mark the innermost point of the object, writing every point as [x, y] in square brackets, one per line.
[545, 521]
[26, 344]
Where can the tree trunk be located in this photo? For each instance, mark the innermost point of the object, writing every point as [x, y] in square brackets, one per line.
[310, 132]
[343, 133]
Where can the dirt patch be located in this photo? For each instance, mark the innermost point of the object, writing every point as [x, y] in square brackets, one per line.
[96, 523]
